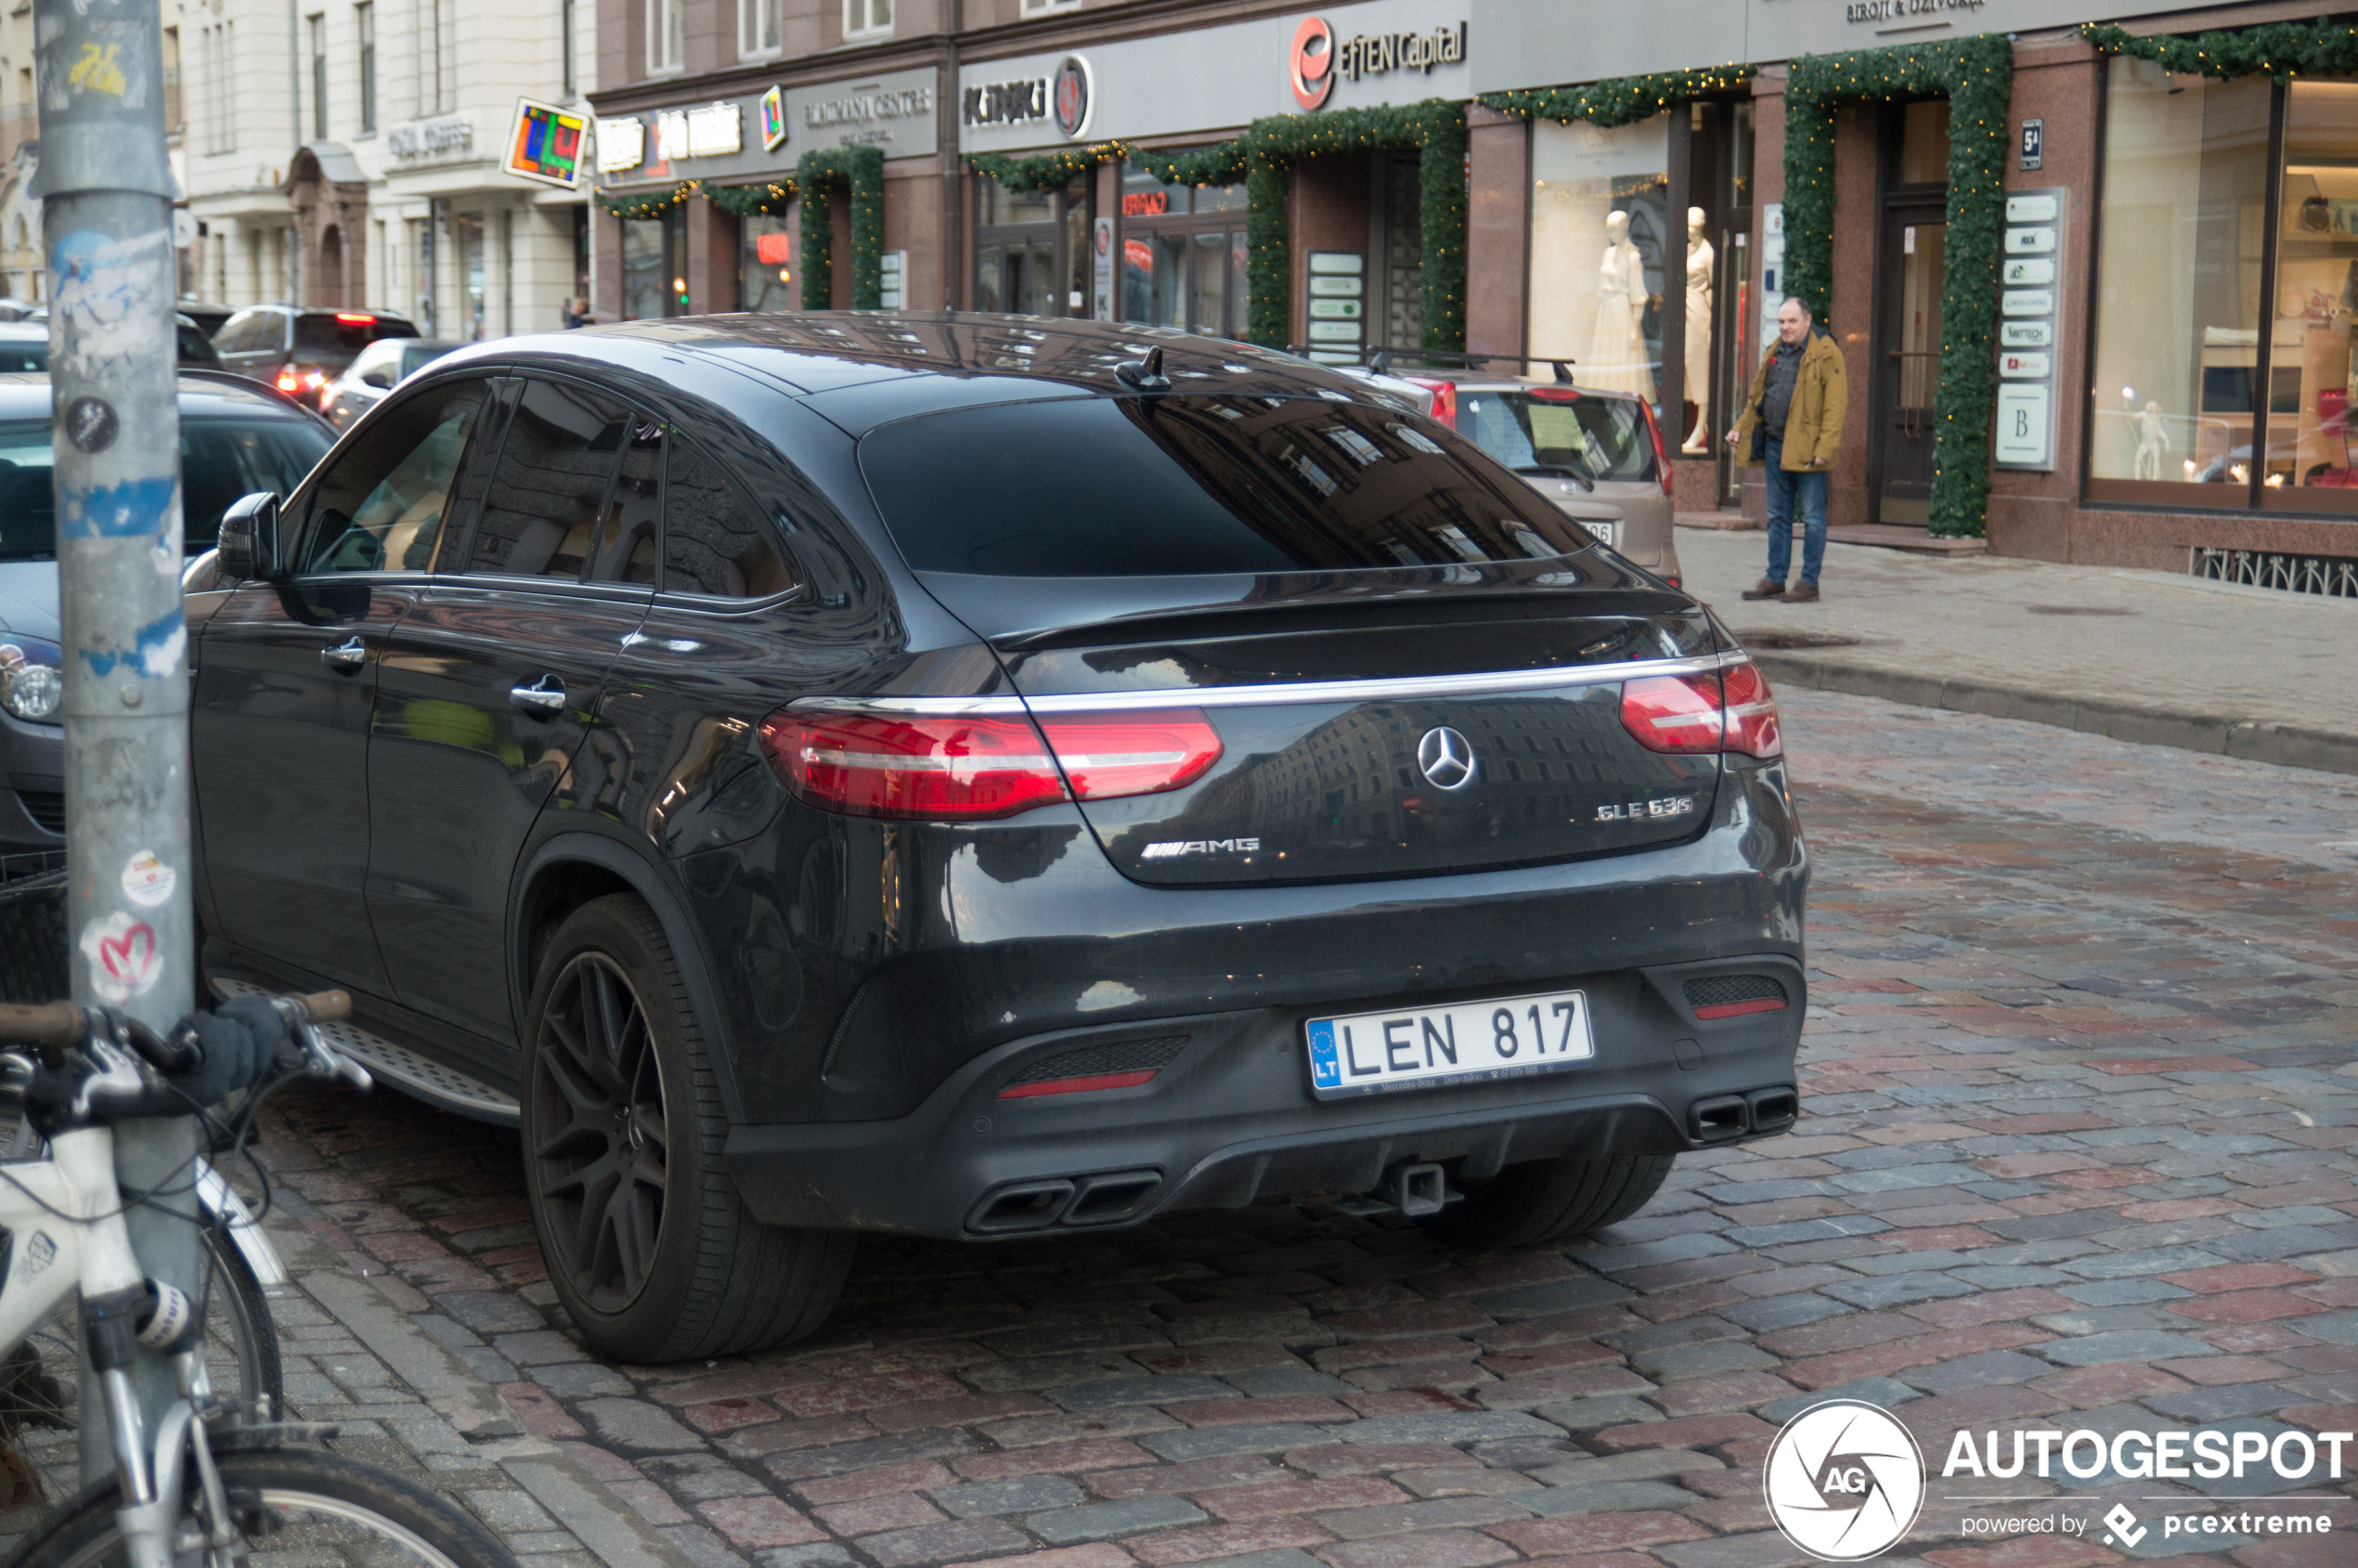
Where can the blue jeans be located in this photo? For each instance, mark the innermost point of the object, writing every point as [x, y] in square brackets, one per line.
[1807, 488]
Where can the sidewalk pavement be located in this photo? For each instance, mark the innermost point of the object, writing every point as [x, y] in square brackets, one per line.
[2149, 656]
[352, 1353]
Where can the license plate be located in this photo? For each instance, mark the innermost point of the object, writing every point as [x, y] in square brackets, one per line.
[1469, 1042]
[1608, 534]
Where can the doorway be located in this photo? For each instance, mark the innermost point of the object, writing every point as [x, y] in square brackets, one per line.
[1911, 266]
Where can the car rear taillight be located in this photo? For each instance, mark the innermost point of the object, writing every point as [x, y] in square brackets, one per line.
[356, 319]
[1726, 710]
[924, 766]
[1445, 399]
[1661, 456]
[288, 380]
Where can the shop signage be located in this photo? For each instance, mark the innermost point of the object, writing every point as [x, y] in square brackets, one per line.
[2034, 143]
[1338, 303]
[2028, 331]
[1145, 203]
[773, 111]
[714, 131]
[892, 285]
[1101, 270]
[622, 144]
[861, 116]
[1215, 80]
[432, 138]
[546, 144]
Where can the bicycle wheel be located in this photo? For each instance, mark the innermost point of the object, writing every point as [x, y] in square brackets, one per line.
[300, 1506]
[242, 1350]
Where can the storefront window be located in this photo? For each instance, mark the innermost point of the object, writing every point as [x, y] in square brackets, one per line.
[765, 263]
[1182, 254]
[2181, 373]
[2312, 463]
[1599, 228]
[652, 250]
[1018, 238]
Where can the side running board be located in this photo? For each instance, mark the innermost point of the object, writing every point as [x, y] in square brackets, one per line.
[419, 1077]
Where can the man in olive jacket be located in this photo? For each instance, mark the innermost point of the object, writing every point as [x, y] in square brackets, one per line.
[1791, 420]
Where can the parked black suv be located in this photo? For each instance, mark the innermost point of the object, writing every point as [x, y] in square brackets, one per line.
[300, 351]
[979, 776]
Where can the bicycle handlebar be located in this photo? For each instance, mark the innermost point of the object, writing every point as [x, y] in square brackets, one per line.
[48, 1023]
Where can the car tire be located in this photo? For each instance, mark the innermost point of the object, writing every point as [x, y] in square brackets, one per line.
[1550, 1198]
[649, 1245]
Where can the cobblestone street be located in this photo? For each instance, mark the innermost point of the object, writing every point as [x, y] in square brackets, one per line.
[2080, 1097]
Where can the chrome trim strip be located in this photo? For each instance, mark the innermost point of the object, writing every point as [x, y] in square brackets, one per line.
[1407, 688]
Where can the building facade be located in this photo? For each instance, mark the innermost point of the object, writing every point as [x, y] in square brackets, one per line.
[348, 153]
[2170, 376]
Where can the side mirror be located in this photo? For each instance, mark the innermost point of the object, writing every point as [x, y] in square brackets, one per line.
[378, 376]
[248, 546]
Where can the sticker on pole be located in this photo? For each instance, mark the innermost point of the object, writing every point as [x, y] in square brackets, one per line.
[125, 959]
[146, 881]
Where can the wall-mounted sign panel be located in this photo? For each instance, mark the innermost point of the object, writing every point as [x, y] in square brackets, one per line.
[546, 144]
[894, 112]
[2030, 325]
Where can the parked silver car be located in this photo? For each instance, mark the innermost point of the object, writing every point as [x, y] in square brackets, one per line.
[376, 370]
[1596, 452]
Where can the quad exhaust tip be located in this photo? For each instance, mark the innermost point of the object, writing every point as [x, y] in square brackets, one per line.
[1717, 1117]
[1104, 1198]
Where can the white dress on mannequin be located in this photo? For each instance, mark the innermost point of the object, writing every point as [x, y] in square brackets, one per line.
[1698, 387]
[1617, 346]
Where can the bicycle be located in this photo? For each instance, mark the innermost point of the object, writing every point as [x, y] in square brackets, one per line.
[211, 1484]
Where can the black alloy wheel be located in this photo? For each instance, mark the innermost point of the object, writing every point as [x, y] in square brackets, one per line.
[650, 1246]
[603, 1150]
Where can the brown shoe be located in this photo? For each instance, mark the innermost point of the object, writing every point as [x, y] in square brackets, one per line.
[1801, 593]
[1767, 587]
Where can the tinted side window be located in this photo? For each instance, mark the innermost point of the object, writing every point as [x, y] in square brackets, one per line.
[712, 543]
[221, 460]
[382, 506]
[629, 548]
[550, 484]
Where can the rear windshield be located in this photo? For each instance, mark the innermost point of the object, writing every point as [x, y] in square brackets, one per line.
[417, 359]
[1548, 429]
[1180, 486]
[322, 334]
[220, 460]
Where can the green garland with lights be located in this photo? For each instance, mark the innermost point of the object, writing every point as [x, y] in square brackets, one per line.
[863, 169]
[635, 205]
[1975, 75]
[1621, 100]
[1260, 158]
[2282, 49]
[762, 198]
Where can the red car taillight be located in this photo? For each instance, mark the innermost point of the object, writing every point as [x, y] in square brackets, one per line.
[1661, 456]
[921, 767]
[288, 380]
[1445, 399]
[1728, 710]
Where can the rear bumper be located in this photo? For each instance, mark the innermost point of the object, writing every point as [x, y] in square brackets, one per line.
[1231, 1120]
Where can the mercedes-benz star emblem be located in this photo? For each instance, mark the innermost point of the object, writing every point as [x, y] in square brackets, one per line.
[1446, 759]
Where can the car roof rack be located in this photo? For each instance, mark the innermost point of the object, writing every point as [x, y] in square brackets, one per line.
[1382, 362]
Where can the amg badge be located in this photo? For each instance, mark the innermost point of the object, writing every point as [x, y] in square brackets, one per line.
[1173, 849]
[1648, 811]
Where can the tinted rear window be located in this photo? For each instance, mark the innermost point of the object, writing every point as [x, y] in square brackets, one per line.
[31, 355]
[1550, 428]
[331, 334]
[1179, 486]
[220, 460]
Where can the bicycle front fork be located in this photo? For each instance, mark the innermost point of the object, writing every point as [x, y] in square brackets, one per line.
[115, 1326]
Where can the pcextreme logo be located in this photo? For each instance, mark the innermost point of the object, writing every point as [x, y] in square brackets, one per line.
[1845, 1481]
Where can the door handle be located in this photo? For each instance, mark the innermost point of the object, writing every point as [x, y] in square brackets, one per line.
[346, 656]
[545, 698]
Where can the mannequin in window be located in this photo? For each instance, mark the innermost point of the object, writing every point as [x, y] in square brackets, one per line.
[1617, 347]
[1699, 258]
[2153, 439]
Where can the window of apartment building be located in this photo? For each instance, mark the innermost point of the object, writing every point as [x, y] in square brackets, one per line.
[566, 44]
[317, 26]
[758, 22]
[2227, 287]
[867, 19]
[365, 18]
[666, 43]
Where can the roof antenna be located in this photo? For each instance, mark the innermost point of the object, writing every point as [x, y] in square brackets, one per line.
[1143, 375]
